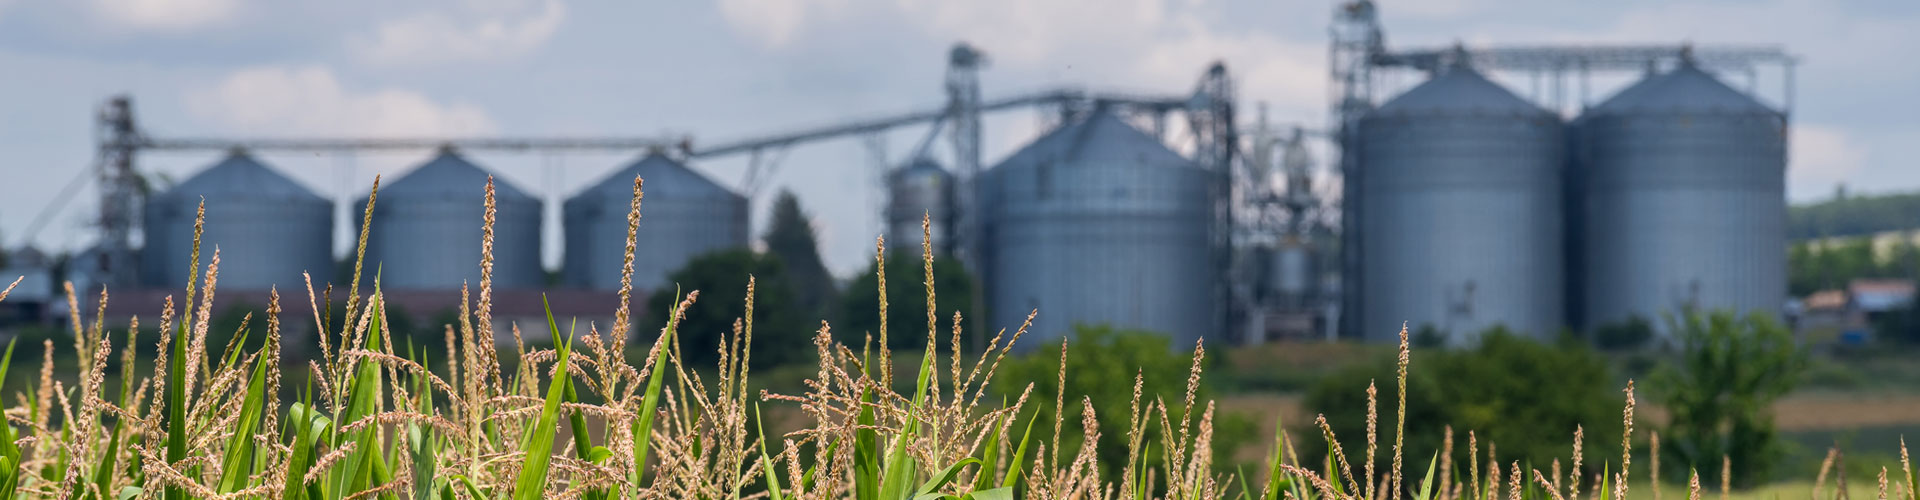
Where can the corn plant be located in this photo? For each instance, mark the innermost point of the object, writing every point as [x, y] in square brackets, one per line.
[372, 423]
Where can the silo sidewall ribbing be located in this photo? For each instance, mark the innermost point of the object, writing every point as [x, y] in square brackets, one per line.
[683, 216]
[1684, 208]
[435, 244]
[1096, 236]
[1462, 223]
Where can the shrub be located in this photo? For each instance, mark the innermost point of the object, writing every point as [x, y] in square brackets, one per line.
[907, 295]
[1101, 364]
[1720, 392]
[1631, 333]
[780, 331]
[1524, 396]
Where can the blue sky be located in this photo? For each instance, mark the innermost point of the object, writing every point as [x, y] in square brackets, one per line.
[736, 68]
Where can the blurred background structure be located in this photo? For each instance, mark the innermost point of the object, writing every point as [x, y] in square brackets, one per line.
[1452, 205]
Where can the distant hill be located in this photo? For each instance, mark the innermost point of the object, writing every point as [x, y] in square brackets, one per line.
[1854, 216]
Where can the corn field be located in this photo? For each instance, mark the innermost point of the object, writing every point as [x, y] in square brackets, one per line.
[377, 422]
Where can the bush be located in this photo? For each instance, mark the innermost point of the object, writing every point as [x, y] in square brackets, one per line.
[1632, 333]
[780, 334]
[1524, 396]
[1428, 337]
[1720, 392]
[1101, 364]
[906, 301]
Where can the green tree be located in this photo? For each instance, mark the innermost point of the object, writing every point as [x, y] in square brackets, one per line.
[1720, 390]
[1631, 333]
[1428, 336]
[1854, 215]
[1898, 325]
[906, 301]
[1524, 396]
[1101, 363]
[1803, 271]
[790, 239]
[779, 333]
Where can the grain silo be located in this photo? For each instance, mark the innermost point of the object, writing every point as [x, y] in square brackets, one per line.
[269, 228]
[1684, 200]
[1460, 193]
[1099, 223]
[683, 215]
[920, 190]
[426, 231]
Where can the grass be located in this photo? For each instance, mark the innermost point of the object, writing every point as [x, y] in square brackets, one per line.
[579, 419]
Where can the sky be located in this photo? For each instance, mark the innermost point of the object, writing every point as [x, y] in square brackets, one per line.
[729, 69]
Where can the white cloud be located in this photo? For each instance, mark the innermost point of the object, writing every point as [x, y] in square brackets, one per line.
[165, 15]
[1436, 9]
[1818, 157]
[772, 23]
[1033, 32]
[310, 100]
[1288, 76]
[1136, 45]
[475, 30]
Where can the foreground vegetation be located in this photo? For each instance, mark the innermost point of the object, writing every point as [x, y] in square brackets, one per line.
[579, 419]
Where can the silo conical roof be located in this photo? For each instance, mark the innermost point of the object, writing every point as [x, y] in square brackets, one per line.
[269, 228]
[1100, 136]
[1458, 90]
[1686, 89]
[666, 178]
[1093, 207]
[922, 167]
[450, 175]
[239, 175]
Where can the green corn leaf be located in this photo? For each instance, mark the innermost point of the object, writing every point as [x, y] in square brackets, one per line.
[989, 461]
[900, 469]
[176, 399]
[650, 402]
[12, 480]
[1246, 493]
[233, 467]
[943, 478]
[1016, 462]
[473, 491]
[304, 425]
[1277, 482]
[1001, 493]
[766, 462]
[582, 444]
[103, 475]
[1606, 476]
[1333, 476]
[422, 442]
[866, 451]
[539, 444]
[9, 450]
[1426, 487]
[361, 470]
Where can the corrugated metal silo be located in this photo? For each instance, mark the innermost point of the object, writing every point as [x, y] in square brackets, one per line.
[920, 189]
[269, 228]
[683, 215]
[1096, 223]
[426, 232]
[1683, 180]
[1461, 211]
